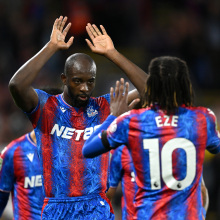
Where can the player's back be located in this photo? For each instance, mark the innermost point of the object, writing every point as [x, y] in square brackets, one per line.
[168, 154]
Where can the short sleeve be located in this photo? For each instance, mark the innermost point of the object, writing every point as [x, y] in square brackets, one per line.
[116, 170]
[107, 97]
[35, 114]
[7, 170]
[213, 140]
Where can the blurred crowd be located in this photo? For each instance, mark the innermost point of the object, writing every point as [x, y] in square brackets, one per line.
[141, 29]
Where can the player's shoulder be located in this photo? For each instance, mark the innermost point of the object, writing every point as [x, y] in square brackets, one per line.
[8, 151]
[207, 112]
[136, 112]
[101, 99]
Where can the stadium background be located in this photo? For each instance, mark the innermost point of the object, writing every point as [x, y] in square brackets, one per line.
[140, 29]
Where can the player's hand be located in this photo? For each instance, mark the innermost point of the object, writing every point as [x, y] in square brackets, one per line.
[101, 42]
[59, 33]
[119, 98]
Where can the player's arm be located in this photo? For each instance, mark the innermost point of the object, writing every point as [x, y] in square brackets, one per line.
[98, 142]
[102, 44]
[111, 192]
[20, 84]
[205, 196]
[3, 201]
[115, 172]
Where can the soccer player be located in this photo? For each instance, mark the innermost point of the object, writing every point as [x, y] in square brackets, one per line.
[122, 170]
[74, 186]
[20, 175]
[167, 139]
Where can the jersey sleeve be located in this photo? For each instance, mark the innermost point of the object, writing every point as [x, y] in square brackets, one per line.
[7, 170]
[35, 114]
[107, 97]
[213, 140]
[117, 132]
[116, 169]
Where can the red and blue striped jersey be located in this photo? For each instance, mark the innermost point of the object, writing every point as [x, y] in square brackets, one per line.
[122, 170]
[61, 131]
[20, 174]
[168, 154]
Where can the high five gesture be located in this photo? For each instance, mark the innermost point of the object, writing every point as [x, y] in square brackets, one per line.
[59, 33]
[101, 42]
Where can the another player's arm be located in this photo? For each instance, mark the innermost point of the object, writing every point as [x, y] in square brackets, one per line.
[111, 192]
[6, 177]
[20, 84]
[118, 106]
[205, 196]
[116, 172]
[102, 44]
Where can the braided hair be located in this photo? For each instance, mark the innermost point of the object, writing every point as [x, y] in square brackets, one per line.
[168, 85]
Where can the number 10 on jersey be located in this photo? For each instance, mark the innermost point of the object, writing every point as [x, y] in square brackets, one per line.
[152, 145]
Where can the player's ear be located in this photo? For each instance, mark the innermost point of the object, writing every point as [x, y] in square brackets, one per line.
[63, 78]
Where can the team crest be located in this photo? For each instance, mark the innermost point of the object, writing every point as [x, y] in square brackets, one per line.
[91, 112]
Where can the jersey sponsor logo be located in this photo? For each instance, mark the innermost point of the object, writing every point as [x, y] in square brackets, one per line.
[1, 162]
[91, 112]
[34, 181]
[62, 109]
[163, 121]
[30, 156]
[68, 133]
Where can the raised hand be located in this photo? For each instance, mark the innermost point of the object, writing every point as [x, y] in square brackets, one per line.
[58, 34]
[101, 42]
[119, 98]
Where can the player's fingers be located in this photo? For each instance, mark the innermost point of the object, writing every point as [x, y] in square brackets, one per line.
[55, 24]
[126, 89]
[88, 29]
[111, 93]
[121, 88]
[59, 22]
[70, 42]
[133, 103]
[63, 23]
[91, 28]
[116, 89]
[65, 31]
[96, 30]
[103, 30]
[90, 44]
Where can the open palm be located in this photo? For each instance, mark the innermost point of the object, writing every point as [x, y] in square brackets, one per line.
[101, 42]
[58, 34]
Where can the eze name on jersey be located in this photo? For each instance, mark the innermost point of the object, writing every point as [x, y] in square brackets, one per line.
[166, 120]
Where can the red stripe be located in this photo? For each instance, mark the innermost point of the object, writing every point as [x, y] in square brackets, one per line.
[44, 205]
[22, 193]
[47, 144]
[129, 186]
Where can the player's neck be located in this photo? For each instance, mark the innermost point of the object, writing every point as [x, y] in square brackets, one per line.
[33, 137]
